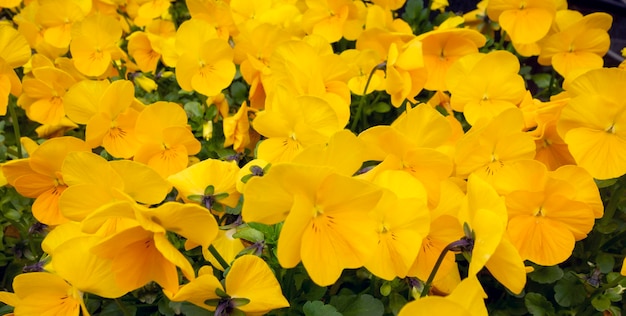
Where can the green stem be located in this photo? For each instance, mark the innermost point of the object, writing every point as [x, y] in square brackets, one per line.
[359, 109]
[122, 307]
[218, 257]
[619, 237]
[431, 277]
[16, 129]
[613, 283]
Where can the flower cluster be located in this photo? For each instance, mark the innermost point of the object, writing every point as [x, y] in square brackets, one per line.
[359, 141]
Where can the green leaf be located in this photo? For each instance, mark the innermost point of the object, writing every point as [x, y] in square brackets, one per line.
[195, 198]
[213, 301]
[318, 308]
[380, 107]
[113, 309]
[237, 312]
[240, 301]
[211, 112]
[165, 308]
[542, 80]
[269, 231]
[413, 7]
[601, 303]
[396, 302]
[546, 275]
[606, 227]
[569, 291]
[312, 291]
[538, 305]
[12, 214]
[612, 276]
[605, 183]
[209, 190]
[239, 92]
[605, 262]
[4, 310]
[194, 110]
[361, 305]
[189, 309]
[248, 233]
[614, 294]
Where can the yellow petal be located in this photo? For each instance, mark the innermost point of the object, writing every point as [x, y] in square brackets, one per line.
[251, 278]
[433, 305]
[74, 262]
[197, 291]
[145, 186]
[191, 221]
[341, 224]
[541, 240]
[507, 266]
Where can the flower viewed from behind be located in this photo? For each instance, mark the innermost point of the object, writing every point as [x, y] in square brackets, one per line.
[249, 287]
[593, 124]
[210, 183]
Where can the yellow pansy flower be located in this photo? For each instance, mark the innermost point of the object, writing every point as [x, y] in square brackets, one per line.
[95, 44]
[166, 141]
[40, 176]
[14, 52]
[250, 287]
[142, 253]
[193, 183]
[525, 21]
[580, 43]
[403, 221]
[593, 123]
[107, 110]
[41, 293]
[485, 85]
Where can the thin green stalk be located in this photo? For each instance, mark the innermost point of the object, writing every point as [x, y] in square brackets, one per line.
[359, 109]
[16, 129]
[122, 307]
[431, 277]
[218, 257]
